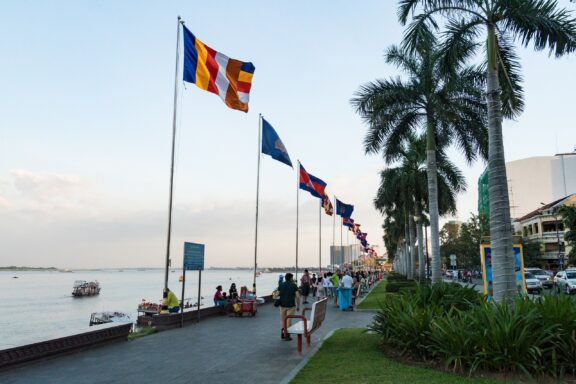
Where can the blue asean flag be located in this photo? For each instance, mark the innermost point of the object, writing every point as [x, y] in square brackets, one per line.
[272, 145]
[344, 210]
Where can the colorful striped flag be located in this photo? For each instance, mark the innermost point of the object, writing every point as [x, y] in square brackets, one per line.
[327, 204]
[215, 72]
[311, 183]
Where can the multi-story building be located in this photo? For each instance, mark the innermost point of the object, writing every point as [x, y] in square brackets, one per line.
[533, 180]
[545, 226]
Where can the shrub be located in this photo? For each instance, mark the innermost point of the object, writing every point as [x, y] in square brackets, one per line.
[457, 326]
[396, 286]
[446, 295]
[403, 324]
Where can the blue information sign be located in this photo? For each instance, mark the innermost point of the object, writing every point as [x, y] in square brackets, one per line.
[193, 257]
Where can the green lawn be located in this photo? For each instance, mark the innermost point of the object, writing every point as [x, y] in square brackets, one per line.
[374, 297]
[351, 356]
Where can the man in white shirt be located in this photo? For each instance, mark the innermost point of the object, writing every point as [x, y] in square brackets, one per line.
[347, 281]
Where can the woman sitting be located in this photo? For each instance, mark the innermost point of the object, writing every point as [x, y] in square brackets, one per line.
[218, 298]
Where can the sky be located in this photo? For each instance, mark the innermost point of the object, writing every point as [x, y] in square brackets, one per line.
[86, 106]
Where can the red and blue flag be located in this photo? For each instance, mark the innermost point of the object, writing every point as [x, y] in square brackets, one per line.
[311, 184]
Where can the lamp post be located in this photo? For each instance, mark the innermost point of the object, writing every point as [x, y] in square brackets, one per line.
[560, 255]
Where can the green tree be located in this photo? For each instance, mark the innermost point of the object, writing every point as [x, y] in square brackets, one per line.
[532, 250]
[403, 191]
[494, 26]
[429, 100]
[568, 213]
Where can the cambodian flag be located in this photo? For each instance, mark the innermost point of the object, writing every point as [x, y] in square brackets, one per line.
[311, 184]
[348, 222]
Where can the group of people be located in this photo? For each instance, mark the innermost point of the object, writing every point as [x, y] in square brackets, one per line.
[341, 286]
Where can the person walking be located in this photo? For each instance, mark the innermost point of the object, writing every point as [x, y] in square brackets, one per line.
[305, 286]
[335, 279]
[313, 284]
[289, 302]
[345, 292]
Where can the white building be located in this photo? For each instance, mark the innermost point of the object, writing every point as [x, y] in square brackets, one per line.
[540, 179]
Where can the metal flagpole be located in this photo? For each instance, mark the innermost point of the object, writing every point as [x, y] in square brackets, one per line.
[297, 202]
[257, 198]
[320, 237]
[333, 250]
[165, 293]
[334, 225]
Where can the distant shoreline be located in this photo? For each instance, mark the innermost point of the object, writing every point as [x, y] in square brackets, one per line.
[14, 268]
[54, 269]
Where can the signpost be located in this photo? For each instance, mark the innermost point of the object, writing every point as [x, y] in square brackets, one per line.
[453, 260]
[193, 261]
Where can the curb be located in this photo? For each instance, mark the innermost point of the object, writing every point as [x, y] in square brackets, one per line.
[292, 374]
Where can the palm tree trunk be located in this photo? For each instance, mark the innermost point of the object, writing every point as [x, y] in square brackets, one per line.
[413, 252]
[432, 174]
[503, 276]
[421, 261]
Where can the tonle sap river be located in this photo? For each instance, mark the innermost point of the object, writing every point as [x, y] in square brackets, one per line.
[39, 305]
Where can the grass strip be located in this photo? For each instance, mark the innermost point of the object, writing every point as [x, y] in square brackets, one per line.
[352, 356]
[376, 295]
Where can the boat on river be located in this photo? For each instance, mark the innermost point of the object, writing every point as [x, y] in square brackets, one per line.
[108, 317]
[85, 288]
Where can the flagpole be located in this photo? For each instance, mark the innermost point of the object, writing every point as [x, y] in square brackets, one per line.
[167, 266]
[257, 200]
[320, 237]
[297, 212]
[334, 226]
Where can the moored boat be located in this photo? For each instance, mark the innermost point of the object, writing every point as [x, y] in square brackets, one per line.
[108, 317]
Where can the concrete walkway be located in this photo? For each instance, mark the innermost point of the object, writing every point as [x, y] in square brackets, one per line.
[217, 350]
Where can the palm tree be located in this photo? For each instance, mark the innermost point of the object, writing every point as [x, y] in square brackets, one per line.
[403, 192]
[429, 100]
[501, 23]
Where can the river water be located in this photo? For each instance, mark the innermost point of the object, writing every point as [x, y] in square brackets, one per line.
[39, 305]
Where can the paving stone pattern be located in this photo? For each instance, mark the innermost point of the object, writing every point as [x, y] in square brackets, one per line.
[217, 350]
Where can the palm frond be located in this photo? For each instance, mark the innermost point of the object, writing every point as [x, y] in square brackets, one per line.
[539, 22]
[509, 77]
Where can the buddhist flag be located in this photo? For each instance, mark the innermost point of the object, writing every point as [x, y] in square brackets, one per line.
[272, 145]
[217, 73]
[327, 204]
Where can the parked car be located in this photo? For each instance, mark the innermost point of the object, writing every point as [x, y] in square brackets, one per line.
[566, 281]
[533, 285]
[451, 273]
[546, 280]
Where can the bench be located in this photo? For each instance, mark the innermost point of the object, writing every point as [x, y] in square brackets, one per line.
[306, 326]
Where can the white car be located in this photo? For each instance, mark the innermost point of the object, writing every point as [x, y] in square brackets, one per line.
[532, 283]
[542, 275]
[566, 281]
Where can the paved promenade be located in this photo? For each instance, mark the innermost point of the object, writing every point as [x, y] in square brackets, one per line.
[217, 350]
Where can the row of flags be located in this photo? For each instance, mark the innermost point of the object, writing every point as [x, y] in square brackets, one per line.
[231, 79]
[274, 147]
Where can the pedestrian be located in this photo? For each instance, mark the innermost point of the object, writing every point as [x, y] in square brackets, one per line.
[305, 286]
[327, 283]
[345, 292]
[335, 279]
[313, 284]
[320, 287]
[289, 302]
